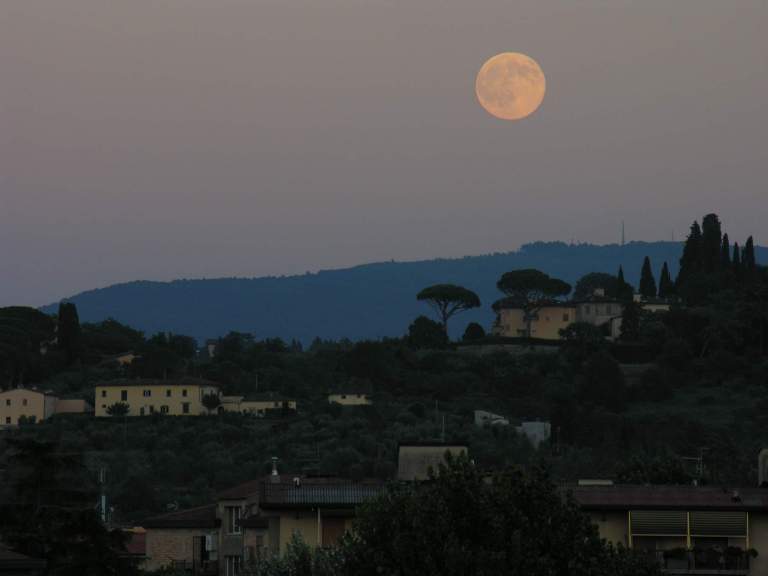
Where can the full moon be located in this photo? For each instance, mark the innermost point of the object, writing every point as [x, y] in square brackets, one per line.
[510, 86]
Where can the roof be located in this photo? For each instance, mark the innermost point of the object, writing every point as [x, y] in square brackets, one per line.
[200, 517]
[266, 397]
[312, 492]
[241, 491]
[13, 560]
[510, 304]
[634, 497]
[125, 382]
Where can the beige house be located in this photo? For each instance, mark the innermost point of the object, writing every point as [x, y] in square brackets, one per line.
[25, 403]
[258, 405]
[350, 398]
[546, 323]
[144, 397]
[414, 460]
[688, 529]
[35, 406]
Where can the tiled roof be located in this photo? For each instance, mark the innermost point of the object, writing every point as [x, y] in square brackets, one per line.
[312, 492]
[632, 497]
[147, 382]
[241, 491]
[201, 517]
[512, 304]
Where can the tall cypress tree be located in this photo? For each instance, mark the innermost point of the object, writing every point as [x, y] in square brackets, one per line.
[725, 254]
[711, 243]
[623, 289]
[647, 281]
[736, 260]
[748, 255]
[666, 287]
[68, 331]
[690, 260]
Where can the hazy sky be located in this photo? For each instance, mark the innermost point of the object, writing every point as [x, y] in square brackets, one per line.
[157, 139]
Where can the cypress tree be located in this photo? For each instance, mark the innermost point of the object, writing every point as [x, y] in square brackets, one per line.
[736, 260]
[725, 254]
[630, 322]
[711, 243]
[748, 255]
[68, 331]
[647, 281]
[623, 289]
[666, 287]
[690, 260]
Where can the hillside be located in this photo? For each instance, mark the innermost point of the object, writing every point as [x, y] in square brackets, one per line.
[367, 301]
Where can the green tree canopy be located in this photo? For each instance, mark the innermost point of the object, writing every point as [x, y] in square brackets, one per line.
[118, 409]
[424, 333]
[666, 286]
[463, 522]
[587, 284]
[448, 300]
[68, 333]
[472, 332]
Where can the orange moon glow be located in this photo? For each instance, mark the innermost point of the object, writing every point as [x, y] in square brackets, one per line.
[510, 86]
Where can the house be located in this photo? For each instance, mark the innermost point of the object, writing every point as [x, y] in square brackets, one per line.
[144, 397]
[210, 347]
[414, 460]
[350, 398]
[259, 404]
[32, 405]
[546, 322]
[25, 404]
[688, 529]
[536, 431]
[483, 418]
[253, 518]
[123, 359]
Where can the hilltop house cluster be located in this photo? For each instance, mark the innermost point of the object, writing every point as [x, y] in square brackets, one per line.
[550, 318]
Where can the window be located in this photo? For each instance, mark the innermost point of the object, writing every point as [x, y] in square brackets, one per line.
[233, 519]
[277, 405]
[103, 393]
[7, 401]
[141, 411]
[566, 317]
[104, 406]
[164, 409]
[7, 419]
[343, 396]
[232, 565]
[24, 402]
[151, 409]
[147, 393]
[124, 395]
[184, 392]
[168, 393]
[185, 408]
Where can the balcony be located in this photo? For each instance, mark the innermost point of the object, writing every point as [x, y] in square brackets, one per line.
[732, 561]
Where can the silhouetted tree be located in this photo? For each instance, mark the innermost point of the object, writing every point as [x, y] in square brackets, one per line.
[711, 243]
[725, 254]
[647, 281]
[426, 334]
[623, 288]
[666, 286]
[587, 284]
[448, 300]
[748, 257]
[603, 382]
[473, 331]
[68, 332]
[630, 322]
[118, 409]
[736, 260]
[211, 401]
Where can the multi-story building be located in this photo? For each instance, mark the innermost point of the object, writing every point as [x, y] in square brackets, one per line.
[350, 398]
[258, 404]
[144, 397]
[687, 529]
[32, 405]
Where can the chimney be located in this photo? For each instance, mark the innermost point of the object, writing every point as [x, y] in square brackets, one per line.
[274, 477]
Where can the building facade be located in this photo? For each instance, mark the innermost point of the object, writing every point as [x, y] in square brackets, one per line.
[145, 397]
[258, 405]
[32, 405]
[350, 399]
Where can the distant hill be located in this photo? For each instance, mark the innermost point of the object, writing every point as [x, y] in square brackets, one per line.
[367, 301]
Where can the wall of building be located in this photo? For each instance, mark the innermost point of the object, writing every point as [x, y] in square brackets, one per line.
[159, 397]
[547, 325]
[758, 539]
[349, 399]
[165, 546]
[72, 406]
[300, 522]
[613, 526]
[23, 402]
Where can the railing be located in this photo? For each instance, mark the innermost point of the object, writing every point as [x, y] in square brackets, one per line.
[704, 561]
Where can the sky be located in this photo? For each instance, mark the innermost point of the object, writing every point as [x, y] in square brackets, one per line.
[162, 139]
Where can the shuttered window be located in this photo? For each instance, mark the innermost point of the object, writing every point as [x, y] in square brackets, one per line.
[659, 523]
[733, 524]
